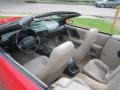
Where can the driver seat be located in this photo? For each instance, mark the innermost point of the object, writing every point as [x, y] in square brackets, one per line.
[50, 69]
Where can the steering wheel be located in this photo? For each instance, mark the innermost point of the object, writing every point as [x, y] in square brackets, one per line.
[27, 40]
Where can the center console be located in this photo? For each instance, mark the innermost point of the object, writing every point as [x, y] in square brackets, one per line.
[72, 68]
[43, 47]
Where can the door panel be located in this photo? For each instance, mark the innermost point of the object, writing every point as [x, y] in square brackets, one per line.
[102, 39]
[97, 47]
[106, 47]
[76, 39]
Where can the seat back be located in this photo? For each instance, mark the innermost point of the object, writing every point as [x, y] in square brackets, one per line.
[82, 51]
[57, 62]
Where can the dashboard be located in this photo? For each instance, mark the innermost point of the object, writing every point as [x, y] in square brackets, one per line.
[6, 36]
[46, 29]
[50, 25]
[36, 25]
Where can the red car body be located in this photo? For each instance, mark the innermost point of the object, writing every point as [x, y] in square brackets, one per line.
[12, 79]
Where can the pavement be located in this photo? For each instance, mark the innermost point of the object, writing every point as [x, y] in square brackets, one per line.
[13, 8]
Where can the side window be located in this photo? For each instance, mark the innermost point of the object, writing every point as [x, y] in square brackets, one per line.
[104, 25]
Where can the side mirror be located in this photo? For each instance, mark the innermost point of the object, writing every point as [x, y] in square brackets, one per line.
[69, 21]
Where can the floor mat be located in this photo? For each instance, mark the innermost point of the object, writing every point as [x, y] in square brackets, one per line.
[23, 58]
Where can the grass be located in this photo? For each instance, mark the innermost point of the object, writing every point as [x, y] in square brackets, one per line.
[3, 16]
[102, 25]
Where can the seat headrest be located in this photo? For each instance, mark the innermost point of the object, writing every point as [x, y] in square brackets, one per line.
[91, 36]
[65, 47]
[92, 33]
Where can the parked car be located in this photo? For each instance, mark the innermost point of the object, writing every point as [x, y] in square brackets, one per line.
[8, 19]
[107, 3]
[45, 52]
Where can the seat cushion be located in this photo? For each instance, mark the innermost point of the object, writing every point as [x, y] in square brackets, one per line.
[91, 82]
[36, 65]
[97, 70]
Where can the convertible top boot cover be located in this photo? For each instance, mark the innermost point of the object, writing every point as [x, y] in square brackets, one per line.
[83, 82]
[91, 82]
[69, 84]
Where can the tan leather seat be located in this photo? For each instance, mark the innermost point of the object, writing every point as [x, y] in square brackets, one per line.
[49, 69]
[99, 71]
[82, 51]
[36, 65]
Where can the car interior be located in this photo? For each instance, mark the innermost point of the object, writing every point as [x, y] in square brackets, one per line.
[64, 56]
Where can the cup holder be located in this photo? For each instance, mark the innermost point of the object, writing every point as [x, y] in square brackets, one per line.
[72, 69]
